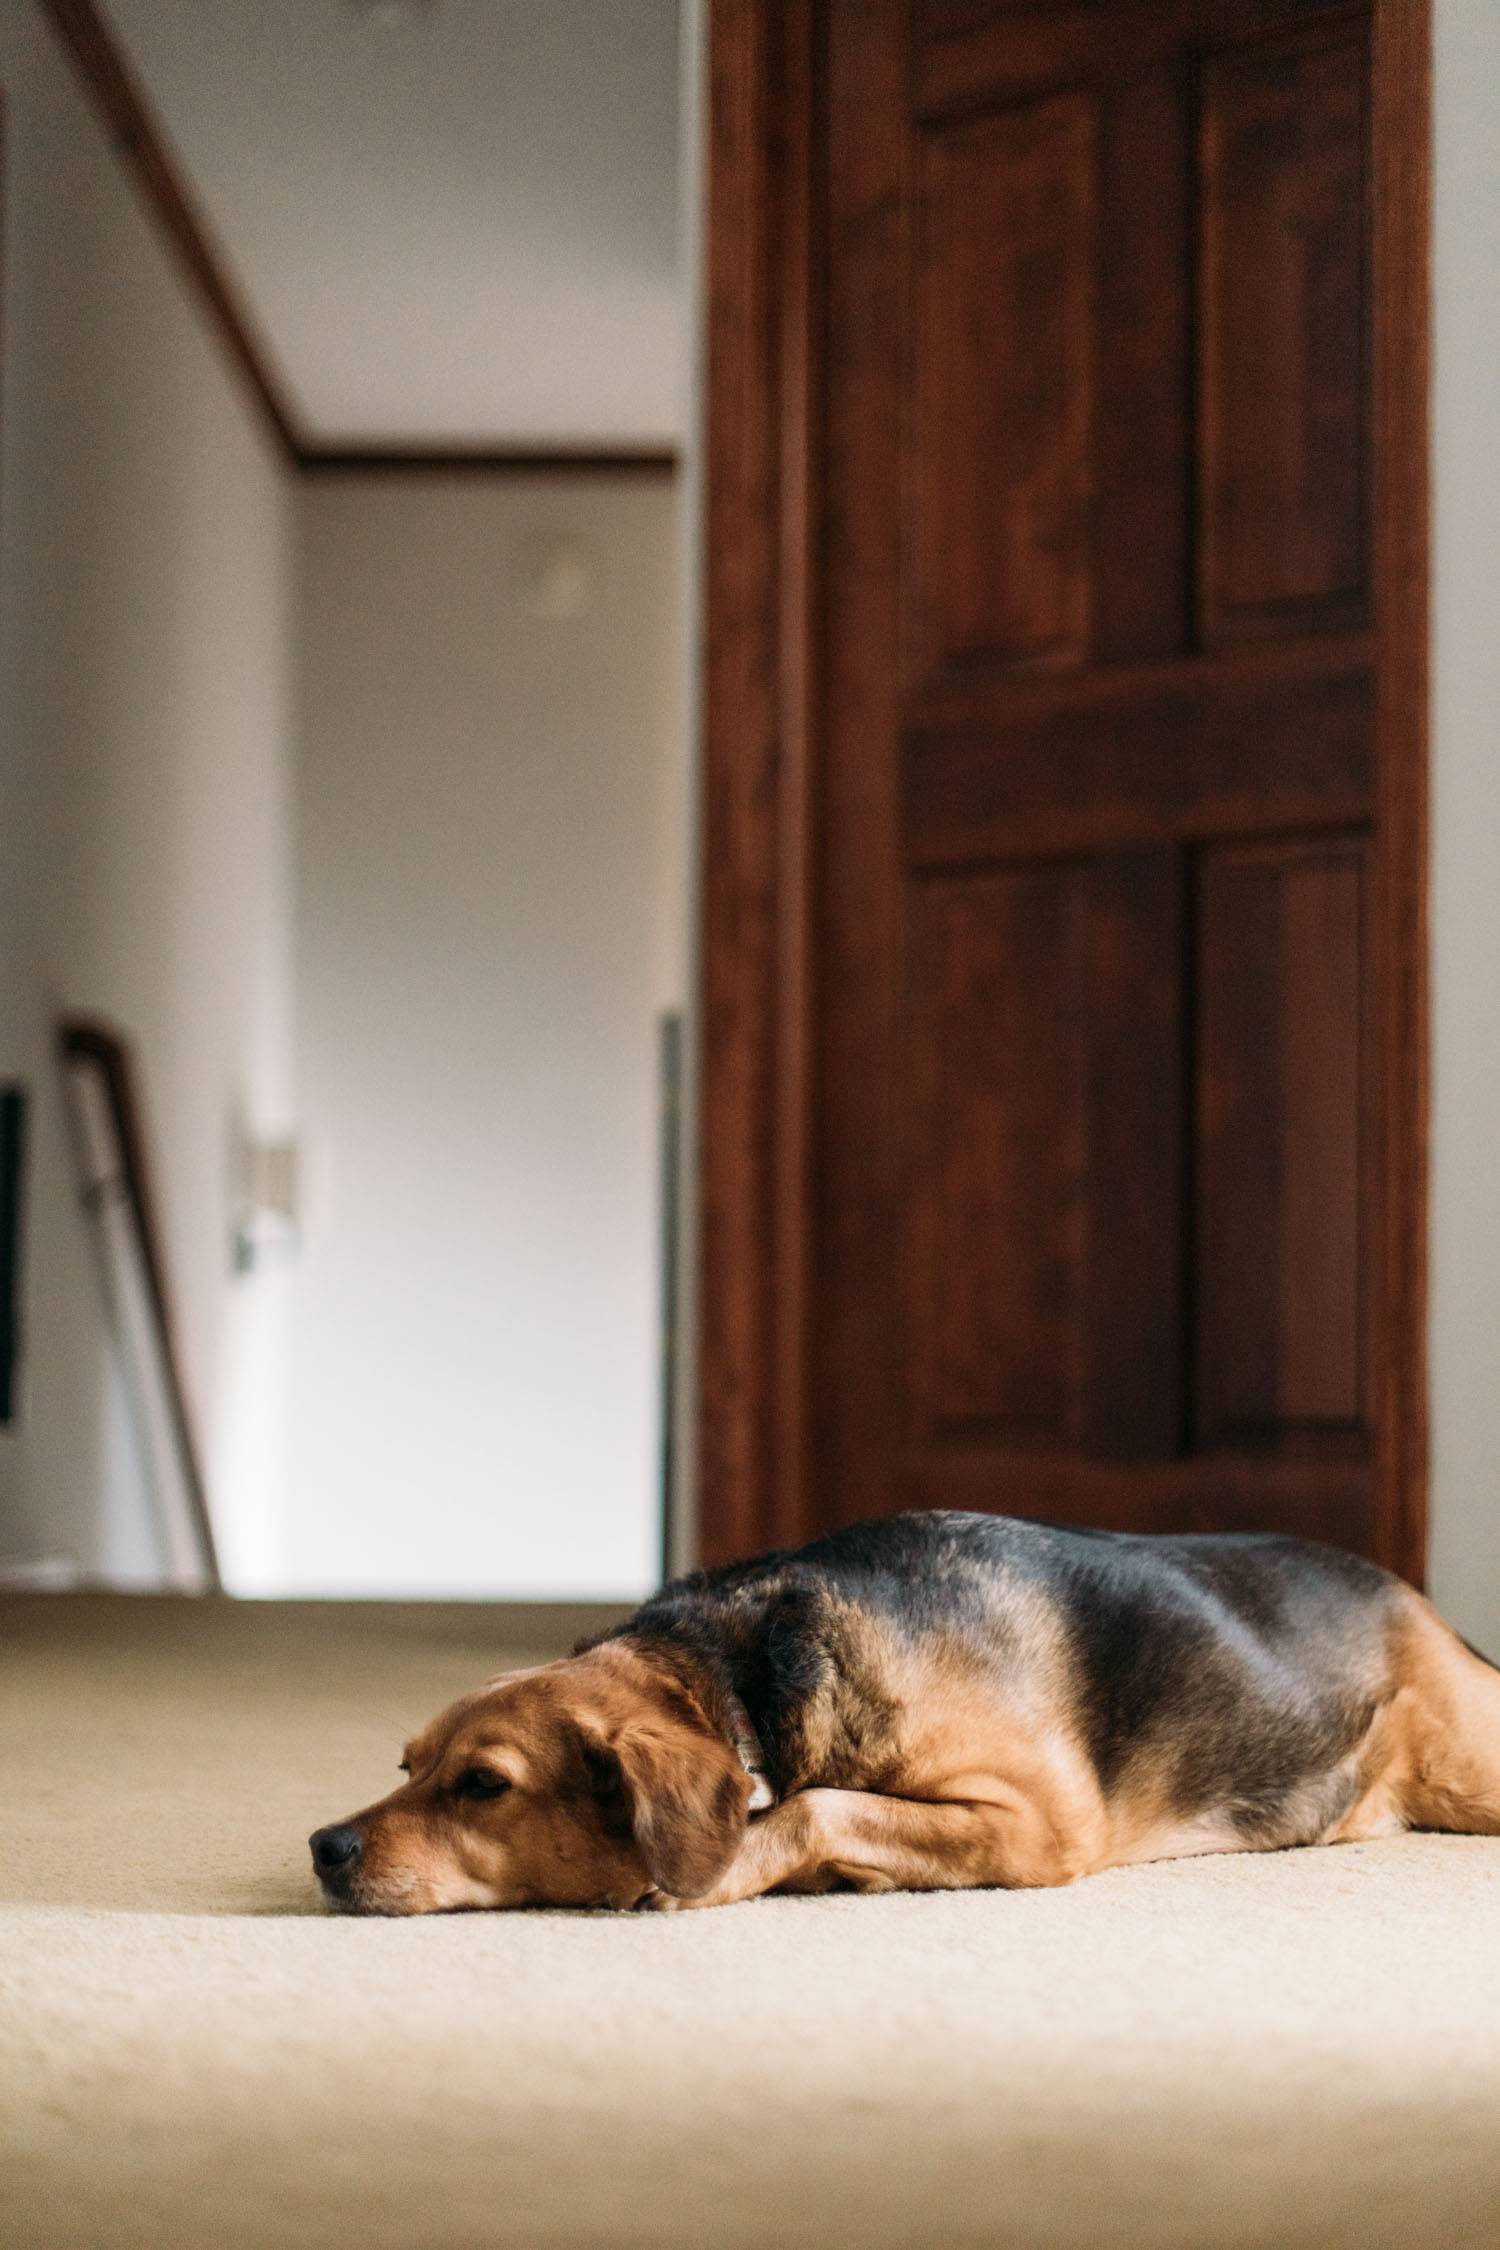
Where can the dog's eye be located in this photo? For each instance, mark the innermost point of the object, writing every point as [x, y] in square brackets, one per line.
[480, 1781]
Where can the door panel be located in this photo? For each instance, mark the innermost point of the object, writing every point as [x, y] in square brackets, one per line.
[1282, 292]
[1086, 1145]
[1278, 1234]
[995, 970]
[1003, 377]
[1041, 1283]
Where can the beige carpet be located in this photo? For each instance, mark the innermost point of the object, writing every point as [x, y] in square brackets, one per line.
[1302, 2049]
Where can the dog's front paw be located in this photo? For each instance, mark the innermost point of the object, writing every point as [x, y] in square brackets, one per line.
[662, 1902]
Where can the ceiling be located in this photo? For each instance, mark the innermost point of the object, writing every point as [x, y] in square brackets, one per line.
[455, 222]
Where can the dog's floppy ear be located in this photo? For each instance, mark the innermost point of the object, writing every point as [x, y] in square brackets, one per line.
[683, 1795]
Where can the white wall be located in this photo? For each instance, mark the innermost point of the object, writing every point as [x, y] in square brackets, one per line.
[490, 902]
[145, 727]
[1465, 1332]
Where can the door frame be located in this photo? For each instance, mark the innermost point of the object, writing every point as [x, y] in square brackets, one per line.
[761, 746]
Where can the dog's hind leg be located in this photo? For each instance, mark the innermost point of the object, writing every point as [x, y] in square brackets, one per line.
[1446, 1762]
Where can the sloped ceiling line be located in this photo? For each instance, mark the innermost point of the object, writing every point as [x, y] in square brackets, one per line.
[134, 130]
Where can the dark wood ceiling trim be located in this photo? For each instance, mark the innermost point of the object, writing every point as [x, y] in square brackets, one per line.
[406, 460]
[134, 130]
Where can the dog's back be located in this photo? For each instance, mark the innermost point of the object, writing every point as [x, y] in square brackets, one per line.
[1220, 1686]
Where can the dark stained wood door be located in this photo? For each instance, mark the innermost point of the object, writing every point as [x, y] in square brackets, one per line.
[1082, 1104]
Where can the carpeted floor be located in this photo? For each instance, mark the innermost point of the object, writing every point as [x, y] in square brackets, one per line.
[1301, 2049]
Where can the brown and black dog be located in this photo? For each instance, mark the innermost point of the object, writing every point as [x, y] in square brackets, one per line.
[941, 1702]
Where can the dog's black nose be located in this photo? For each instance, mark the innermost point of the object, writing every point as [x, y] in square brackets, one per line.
[334, 1849]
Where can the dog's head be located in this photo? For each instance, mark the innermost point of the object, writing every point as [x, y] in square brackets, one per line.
[590, 1782]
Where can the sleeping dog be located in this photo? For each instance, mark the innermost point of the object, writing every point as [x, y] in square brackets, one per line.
[936, 1702]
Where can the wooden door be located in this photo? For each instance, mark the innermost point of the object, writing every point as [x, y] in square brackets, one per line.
[1084, 1146]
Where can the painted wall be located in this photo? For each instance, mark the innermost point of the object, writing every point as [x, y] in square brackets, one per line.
[1466, 822]
[145, 734]
[490, 903]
